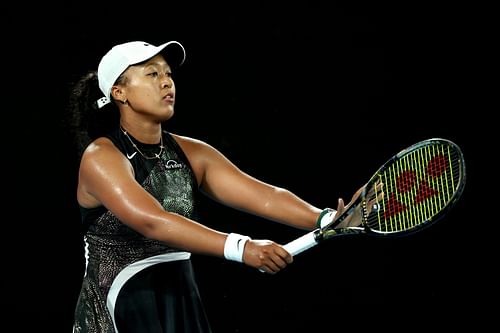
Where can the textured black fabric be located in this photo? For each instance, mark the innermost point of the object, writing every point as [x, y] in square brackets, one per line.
[111, 246]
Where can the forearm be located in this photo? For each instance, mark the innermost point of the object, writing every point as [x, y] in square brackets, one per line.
[191, 236]
[285, 207]
[182, 233]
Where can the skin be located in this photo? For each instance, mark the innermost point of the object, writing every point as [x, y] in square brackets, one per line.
[146, 98]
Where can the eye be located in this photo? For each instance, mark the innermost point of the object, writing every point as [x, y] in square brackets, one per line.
[153, 74]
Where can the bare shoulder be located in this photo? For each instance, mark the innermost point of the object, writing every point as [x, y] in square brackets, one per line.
[101, 148]
[200, 154]
[191, 145]
[102, 154]
[102, 164]
[182, 139]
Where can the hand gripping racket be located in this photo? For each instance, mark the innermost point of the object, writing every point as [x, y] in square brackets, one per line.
[411, 191]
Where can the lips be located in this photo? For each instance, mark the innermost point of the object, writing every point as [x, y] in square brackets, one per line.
[169, 97]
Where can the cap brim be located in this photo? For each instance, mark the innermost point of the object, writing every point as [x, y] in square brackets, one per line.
[173, 52]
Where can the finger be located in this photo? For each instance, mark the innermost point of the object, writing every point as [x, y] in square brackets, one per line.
[358, 193]
[375, 189]
[283, 254]
[375, 194]
[269, 267]
[278, 260]
[380, 191]
[340, 207]
[275, 265]
[264, 269]
[379, 185]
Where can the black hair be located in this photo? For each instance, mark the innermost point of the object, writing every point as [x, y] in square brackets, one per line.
[86, 121]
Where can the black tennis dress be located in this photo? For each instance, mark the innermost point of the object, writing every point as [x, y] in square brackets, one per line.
[132, 283]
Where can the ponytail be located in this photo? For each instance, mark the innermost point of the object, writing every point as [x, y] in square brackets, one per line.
[86, 120]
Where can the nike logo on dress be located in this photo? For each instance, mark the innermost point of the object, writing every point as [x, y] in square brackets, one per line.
[131, 155]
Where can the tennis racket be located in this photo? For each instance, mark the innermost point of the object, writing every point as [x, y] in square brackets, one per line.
[411, 191]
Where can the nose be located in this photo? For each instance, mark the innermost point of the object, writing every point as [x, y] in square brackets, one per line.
[166, 81]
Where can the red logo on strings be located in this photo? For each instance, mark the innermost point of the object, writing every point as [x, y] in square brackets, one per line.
[408, 180]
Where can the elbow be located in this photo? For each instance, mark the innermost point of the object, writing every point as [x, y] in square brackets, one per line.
[275, 194]
[149, 230]
[153, 226]
[278, 194]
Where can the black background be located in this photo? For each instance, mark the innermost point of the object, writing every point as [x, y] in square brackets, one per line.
[309, 96]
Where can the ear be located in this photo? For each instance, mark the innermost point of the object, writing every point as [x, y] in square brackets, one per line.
[118, 93]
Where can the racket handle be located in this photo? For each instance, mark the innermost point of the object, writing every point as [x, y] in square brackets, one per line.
[302, 243]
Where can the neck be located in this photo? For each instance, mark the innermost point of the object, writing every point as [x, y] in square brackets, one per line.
[145, 133]
[139, 150]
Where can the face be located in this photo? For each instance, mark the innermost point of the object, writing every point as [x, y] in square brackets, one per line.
[149, 89]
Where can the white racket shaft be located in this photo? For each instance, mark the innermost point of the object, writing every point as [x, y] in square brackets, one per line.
[301, 244]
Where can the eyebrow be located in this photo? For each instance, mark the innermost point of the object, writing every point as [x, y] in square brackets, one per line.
[161, 63]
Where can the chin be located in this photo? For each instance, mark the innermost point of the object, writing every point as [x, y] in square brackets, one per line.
[167, 115]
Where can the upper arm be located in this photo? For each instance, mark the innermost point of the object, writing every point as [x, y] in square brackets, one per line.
[106, 178]
[224, 181]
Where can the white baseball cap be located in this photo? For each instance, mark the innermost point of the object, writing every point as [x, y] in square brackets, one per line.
[121, 56]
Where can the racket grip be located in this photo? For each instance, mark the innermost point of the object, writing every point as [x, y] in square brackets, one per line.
[302, 243]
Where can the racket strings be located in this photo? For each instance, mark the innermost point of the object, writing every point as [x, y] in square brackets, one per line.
[417, 186]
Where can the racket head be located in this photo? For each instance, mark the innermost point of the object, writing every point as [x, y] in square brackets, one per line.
[420, 184]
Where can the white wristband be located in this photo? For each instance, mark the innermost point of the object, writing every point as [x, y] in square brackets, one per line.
[326, 217]
[234, 247]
